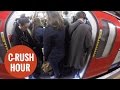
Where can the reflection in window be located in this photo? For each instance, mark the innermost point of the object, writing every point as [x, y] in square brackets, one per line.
[107, 39]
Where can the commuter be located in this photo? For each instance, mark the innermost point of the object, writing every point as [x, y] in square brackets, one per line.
[80, 44]
[81, 15]
[67, 39]
[54, 41]
[21, 36]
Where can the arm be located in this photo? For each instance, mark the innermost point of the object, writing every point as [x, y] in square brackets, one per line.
[15, 40]
[38, 36]
[88, 42]
[73, 26]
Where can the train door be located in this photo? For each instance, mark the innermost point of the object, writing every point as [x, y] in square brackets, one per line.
[106, 47]
[3, 43]
[4, 46]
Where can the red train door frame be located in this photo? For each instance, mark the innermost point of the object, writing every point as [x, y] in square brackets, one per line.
[4, 15]
[102, 59]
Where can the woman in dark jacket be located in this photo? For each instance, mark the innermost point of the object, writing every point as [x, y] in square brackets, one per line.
[54, 40]
[38, 38]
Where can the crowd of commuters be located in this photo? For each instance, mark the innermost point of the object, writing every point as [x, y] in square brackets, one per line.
[65, 44]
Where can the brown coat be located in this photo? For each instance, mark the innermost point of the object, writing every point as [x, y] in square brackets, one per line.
[80, 44]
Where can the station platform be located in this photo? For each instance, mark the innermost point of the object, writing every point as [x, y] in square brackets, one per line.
[113, 75]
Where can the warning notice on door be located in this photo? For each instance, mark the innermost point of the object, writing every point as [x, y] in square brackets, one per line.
[20, 61]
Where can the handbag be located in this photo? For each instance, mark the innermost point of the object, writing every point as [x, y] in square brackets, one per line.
[46, 67]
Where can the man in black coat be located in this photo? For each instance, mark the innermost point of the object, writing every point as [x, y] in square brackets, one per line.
[80, 44]
[67, 39]
[22, 36]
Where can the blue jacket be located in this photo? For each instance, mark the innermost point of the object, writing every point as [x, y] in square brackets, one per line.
[54, 44]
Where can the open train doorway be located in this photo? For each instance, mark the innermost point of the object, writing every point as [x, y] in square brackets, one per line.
[10, 25]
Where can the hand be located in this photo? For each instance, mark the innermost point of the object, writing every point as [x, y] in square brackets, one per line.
[81, 19]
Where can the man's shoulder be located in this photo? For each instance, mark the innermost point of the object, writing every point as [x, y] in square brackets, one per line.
[84, 27]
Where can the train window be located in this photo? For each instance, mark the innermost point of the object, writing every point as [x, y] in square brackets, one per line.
[107, 39]
[103, 40]
[117, 13]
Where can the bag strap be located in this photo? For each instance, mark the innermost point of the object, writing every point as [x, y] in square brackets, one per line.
[73, 30]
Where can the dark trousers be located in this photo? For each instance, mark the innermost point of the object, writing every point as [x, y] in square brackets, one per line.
[39, 55]
[55, 67]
